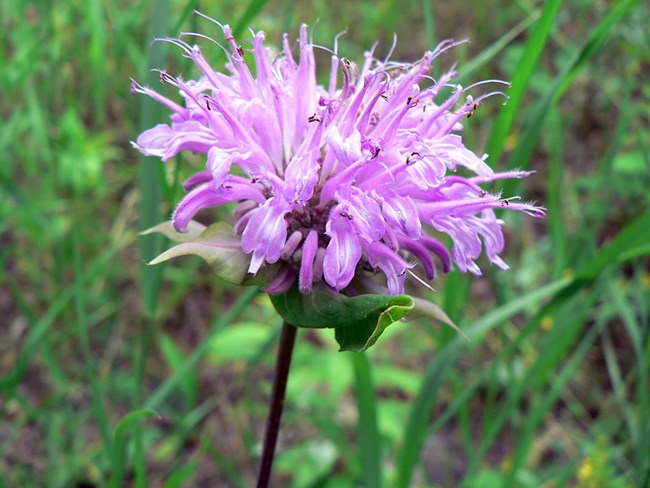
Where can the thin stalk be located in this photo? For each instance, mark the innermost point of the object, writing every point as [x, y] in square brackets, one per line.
[283, 362]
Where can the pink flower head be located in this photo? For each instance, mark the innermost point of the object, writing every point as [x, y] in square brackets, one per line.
[338, 180]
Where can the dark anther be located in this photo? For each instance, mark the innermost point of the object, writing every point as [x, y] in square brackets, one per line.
[240, 51]
[376, 152]
[471, 112]
[229, 38]
[374, 118]
[505, 203]
[412, 102]
[313, 118]
[482, 193]
[163, 76]
[408, 159]
[346, 215]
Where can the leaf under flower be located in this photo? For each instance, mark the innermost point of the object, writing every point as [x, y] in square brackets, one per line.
[358, 321]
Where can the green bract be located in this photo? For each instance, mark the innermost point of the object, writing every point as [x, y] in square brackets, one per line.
[217, 245]
[358, 321]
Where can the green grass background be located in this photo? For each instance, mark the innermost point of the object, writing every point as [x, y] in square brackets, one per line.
[115, 374]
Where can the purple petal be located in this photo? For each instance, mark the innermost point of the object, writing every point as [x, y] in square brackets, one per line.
[439, 249]
[152, 142]
[347, 150]
[266, 233]
[364, 214]
[166, 142]
[200, 197]
[342, 254]
[282, 281]
[467, 245]
[402, 214]
[318, 264]
[292, 244]
[419, 251]
[490, 229]
[219, 163]
[382, 257]
[309, 249]
[425, 172]
[457, 153]
[442, 208]
[206, 195]
[197, 179]
[301, 177]
[180, 112]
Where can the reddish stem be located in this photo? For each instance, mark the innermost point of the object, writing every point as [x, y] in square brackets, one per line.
[283, 362]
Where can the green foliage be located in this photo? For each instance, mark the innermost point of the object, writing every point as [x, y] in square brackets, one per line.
[550, 385]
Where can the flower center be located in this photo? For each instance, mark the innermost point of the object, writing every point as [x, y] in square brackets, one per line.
[308, 217]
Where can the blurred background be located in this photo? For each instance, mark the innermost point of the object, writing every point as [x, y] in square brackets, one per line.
[114, 374]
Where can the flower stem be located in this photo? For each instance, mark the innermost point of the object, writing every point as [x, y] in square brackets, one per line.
[282, 365]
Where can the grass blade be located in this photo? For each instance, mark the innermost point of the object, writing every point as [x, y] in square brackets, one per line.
[555, 196]
[524, 149]
[97, 46]
[418, 423]
[167, 387]
[369, 441]
[472, 66]
[98, 407]
[150, 177]
[522, 74]
[253, 9]
[551, 353]
[122, 430]
[641, 434]
[544, 402]
[429, 25]
[150, 169]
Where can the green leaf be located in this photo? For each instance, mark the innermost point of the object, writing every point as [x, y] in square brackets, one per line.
[358, 321]
[216, 244]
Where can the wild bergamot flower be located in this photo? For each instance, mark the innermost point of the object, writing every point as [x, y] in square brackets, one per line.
[333, 181]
